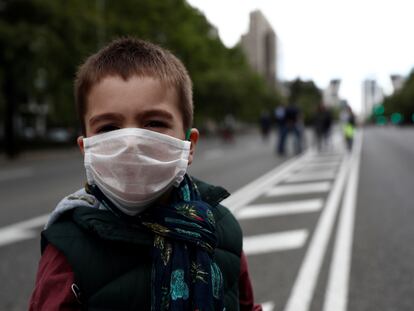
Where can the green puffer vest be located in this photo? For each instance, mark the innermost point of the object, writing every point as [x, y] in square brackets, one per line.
[111, 260]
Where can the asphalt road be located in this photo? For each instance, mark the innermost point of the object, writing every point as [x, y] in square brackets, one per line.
[323, 231]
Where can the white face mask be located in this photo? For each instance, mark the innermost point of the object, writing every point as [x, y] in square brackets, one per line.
[133, 167]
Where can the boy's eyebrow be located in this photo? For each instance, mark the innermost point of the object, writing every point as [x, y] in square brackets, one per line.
[105, 117]
[157, 113]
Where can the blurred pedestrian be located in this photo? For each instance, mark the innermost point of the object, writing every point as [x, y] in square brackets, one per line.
[291, 124]
[322, 123]
[348, 126]
[279, 114]
[229, 128]
[265, 124]
[142, 234]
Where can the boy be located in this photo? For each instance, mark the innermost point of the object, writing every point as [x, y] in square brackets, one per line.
[142, 234]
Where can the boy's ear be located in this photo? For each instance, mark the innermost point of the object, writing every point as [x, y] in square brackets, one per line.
[80, 144]
[194, 135]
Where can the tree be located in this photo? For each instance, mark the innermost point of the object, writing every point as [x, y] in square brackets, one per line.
[43, 41]
[402, 101]
[306, 95]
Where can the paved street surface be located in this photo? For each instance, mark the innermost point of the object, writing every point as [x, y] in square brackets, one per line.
[324, 231]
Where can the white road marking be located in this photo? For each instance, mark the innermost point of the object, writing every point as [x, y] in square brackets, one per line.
[18, 173]
[319, 166]
[336, 296]
[279, 209]
[304, 287]
[257, 187]
[315, 187]
[268, 306]
[319, 163]
[33, 222]
[21, 230]
[272, 242]
[319, 170]
[12, 235]
[318, 175]
[327, 156]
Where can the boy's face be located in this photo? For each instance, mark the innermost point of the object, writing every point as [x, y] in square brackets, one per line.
[139, 102]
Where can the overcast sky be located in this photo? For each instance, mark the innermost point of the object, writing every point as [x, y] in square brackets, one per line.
[325, 39]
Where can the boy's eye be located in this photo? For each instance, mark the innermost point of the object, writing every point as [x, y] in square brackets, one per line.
[156, 124]
[107, 128]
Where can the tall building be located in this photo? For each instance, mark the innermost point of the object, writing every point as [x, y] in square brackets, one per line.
[372, 94]
[397, 82]
[331, 93]
[259, 45]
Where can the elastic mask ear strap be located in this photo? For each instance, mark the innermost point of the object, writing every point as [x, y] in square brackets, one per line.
[188, 134]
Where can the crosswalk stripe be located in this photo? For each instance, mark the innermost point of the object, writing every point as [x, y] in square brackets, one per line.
[304, 286]
[279, 209]
[318, 166]
[21, 230]
[13, 234]
[327, 157]
[257, 187]
[268, 306]
[320, 175]
[272, 242]
[319, 163]
[316, 187]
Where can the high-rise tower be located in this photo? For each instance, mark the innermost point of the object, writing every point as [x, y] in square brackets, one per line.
[260, 47]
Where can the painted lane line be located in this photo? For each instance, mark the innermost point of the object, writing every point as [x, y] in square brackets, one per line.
[327, 156]
[12, 235]
[280, 209]
[315, 163]
[304, 287]
[321, 175]
[15, 174]
[268, 306]
[336, 296]
[33, 222]
[319, 170]
[253, 190]
[318, 157]
[318, 166]
[273, 242]
[316, 187]
[21, 230]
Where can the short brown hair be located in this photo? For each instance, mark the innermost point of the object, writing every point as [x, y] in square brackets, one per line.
[126, 57]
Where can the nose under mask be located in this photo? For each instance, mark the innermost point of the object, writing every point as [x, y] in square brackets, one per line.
[133, 167]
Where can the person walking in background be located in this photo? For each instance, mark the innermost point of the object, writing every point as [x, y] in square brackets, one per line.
[280, 114]
[228, 128]
[348, 126]
[291, 125]
[265, 124]
[322, 123]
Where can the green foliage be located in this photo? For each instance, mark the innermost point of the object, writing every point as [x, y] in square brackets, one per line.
[306, 95]
[401, 102]
[43, 41]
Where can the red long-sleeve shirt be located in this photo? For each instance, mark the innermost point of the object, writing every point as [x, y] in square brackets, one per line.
[53, 287]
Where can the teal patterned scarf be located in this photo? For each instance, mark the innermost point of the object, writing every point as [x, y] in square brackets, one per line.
[184, 273]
